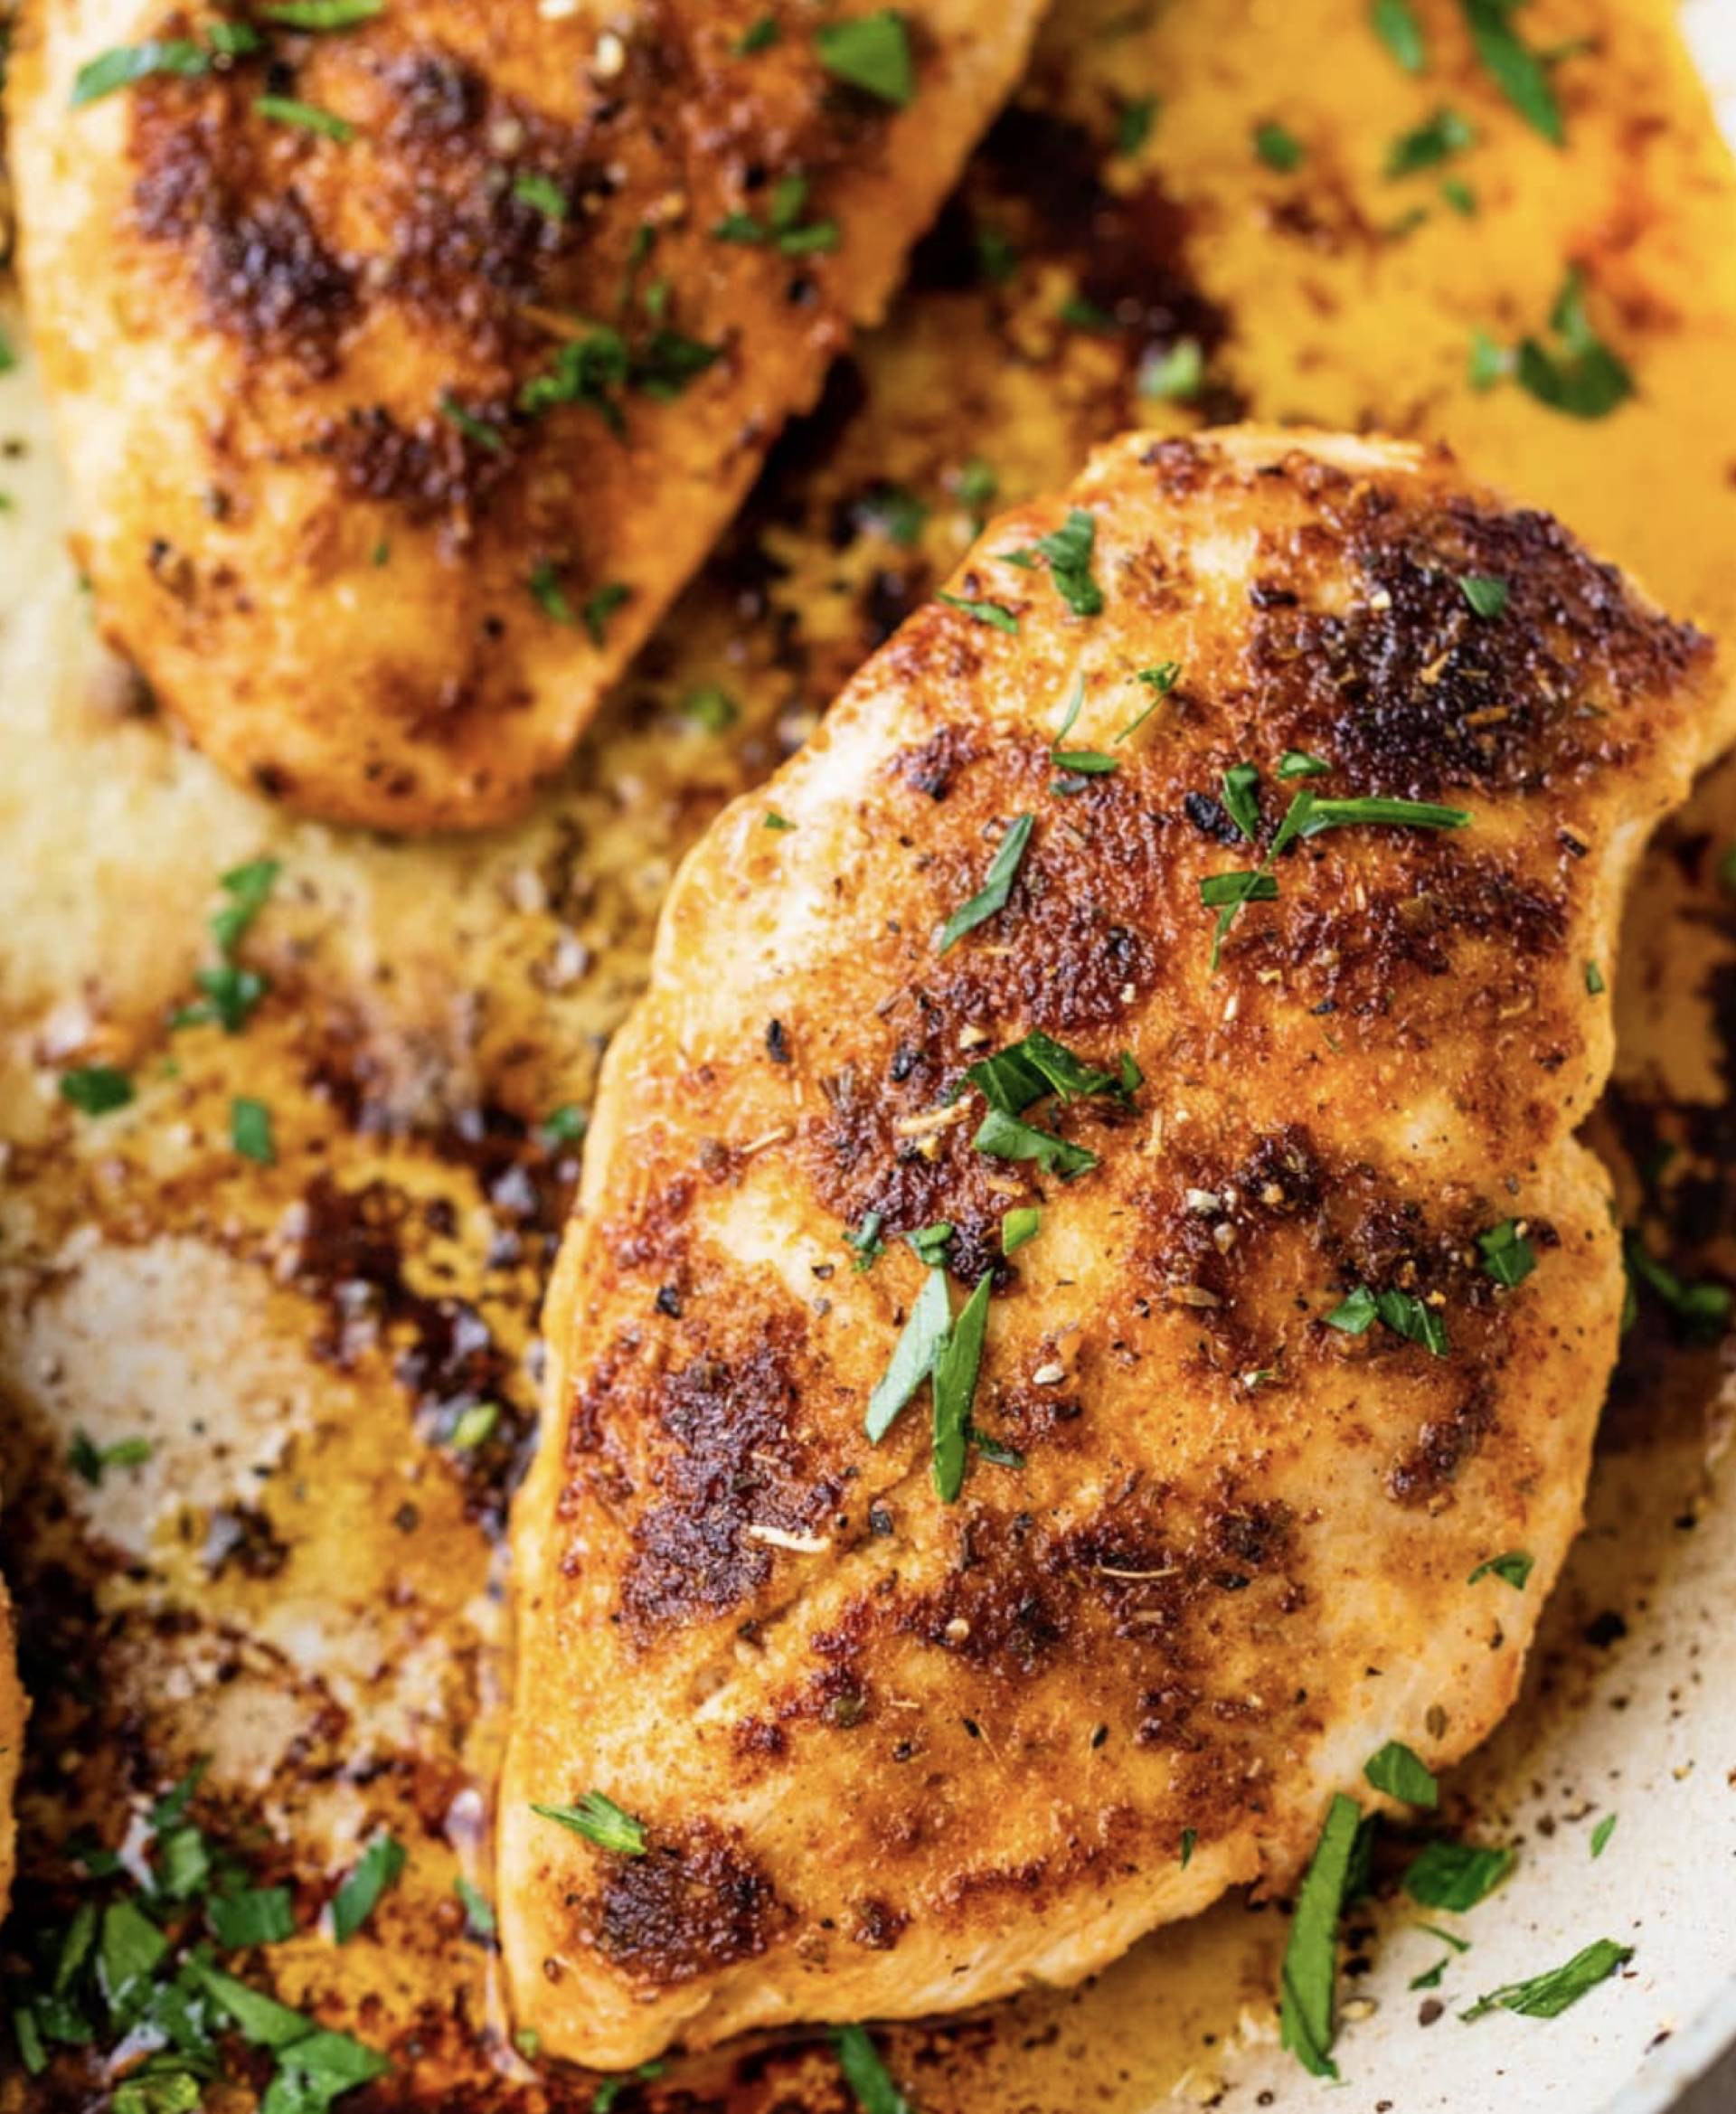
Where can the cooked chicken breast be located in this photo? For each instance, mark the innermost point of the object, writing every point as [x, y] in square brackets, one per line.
[405, 368]
[14, 1712]
[1296, 1294]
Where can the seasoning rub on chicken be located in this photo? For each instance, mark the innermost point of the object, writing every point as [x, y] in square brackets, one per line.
[1084, 1262]
[408, 358]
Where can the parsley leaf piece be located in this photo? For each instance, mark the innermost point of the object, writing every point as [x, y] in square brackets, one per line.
[1355, 1315]
[1430, 1978]
[611, 2090]
[1585, 378]
[585, 370]
[90, 1461]
[1133, 125]
[872, 52]
[1241, 798]
[931, 1242]
[1069, 551]
[1395, 22]
[1455, 1875]
[379, 1867]
[8, 357]
[711, 708]
[599, 607]
[1323, 815]
[1075, 705]
[866, 1240]
[601, 1821]
[565, 1125]
[128, 1953]
[248, 889]
[255, 1915]
[1601, 1834]
[96, 1090]
[1217, 889]
[1027, 1070]
[549, 595]
[913, 1355]
[1307, 2006]
[1429, 144]
[128, 64]
[997, 885]
[1082, 763]
[1414, 1319]
[1514, 1566]
[1176, 375]
[320, 14]
[314, 2070]
[1517, 71]
[1459, 195]
[773, 820]
[1703, 1308]
[1403, 1774]
[1005, 1138]
[478, 1912]
[1507, 1256]
[1017, 1226]
[473, 1426]
[1547, 1995]
[957, 1365]
[1190, 1836]
[1297, 763]
[304, 116]
[1279, 149]
[865, 2074]
[992, 614]
[1487, 594]
[261, 2020]
[541, 192]
[1594, 983]
[472, 428]
[250, 1130]
[1160, 680]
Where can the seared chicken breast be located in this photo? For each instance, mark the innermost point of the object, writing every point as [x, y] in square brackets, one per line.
[406, 366]
[1043, 1363]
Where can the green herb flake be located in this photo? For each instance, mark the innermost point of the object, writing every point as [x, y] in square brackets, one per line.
[320, 14]
[1547, 1995]
[1323, 815]
[255, 1915]
[1356, 1314]
[1279, 149]
[1190, 1838]
[957, 1365]
[1297, 763]
[865, 2074]
[1241, 798]
[931, 1242]
[997, 885]
[1513, 1566]
[472, 428]
[1078, 312]
[600, 607]
[564, 1124]
[600, 1821]
[1174, 375]
[913, 1355]
[1069, 550]
[1487, 595]
[473, 1426]
[128, 1952]
[1435, 140]
[1580, 376]
[1507, 1256]
[1489, 362]
[1133, 124]
[1308, 2006]
[1395, 22]
[1459, 195]
[549, 595]
[773, 820]
[1160, 681]
[1455, 1877]
[1018, 1227]
[1402, 1774]
[871, 53]
[758, 36]
[866, 1241]
[250, 1130]
[129, 64]
[378, 1868]
[541, 192]
[1594, 983]
[1601, 1834]
[1005, 1138]
[96, 1090]
[90, 1461]
[711, 709]
[1517, 71]
[992, 614]
[8, 357]
[304, 116]
[611, 2090]
[1703, 1308]
[478, 1914]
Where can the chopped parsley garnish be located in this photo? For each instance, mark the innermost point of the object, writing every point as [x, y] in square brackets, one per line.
[1507, 1256]
[1241, 798]
[1429, 144]
[711, 708]
[549, 595]
[865, 2074]
[1078, 312]
[1594, 983]
[1307, 2007]
[1514, 1566]
[379, 1867]
[783, 227]
[90, 1461]
[604, 2098]
[564, 1124]
[930, 1243]
[1601, 1834]
[1402, 1774]
[913, 1355]
[997, 885]
[992, 614]
[866, 1240]
[1395, 22]
[758, 36]
[541, 192]
[1219, 890]
[1402, 1312]
[1455, 1877]
[1019, 1226]
[872, 52]
[254, 1915]
[96, 1090]
[471, 426]
[1176, 375]
[1459, 195]
[250, 1130]
[1548, 1995]
[1519, 74]
[601, 1821]
[1701, 1308]
[600, 605]
[479, 1911]
[320, 14]
[1069, 551]
[1133, 125]
[1036, 1066]
[1279, 149]
[128, 64]
[1297, 763]
[1190, 1836]
[953, 1384]
[1580, 376]
[230, 991]
[1323, 815]
[1005, 1138]
[1160, 681]
[304, 117]
[1487, 594]
[773, 820]
[473, 1426]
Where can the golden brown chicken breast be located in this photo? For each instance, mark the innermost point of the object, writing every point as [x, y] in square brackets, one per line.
[408, 358]
[1084, 1260]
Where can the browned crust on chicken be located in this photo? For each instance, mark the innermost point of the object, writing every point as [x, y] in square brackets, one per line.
[302, 381]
